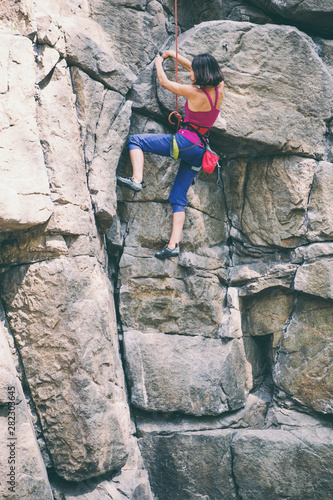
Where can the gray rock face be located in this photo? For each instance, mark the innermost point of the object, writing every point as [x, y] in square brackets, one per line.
[84, 44]
[104, 119]
[191, 465]
[21, 466]
[189, 377]
[162, 301]
[319, 213]
[133, 21]
[69, 349]
[225, 352]
[25, 194]
[275, 201]
[291, 455]
[306, 345]
[317, 16]
[262, 109]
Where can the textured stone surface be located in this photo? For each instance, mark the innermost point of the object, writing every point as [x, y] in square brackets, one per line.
[63, 155]
[19, 16]
[131, 482]
[246, 306]
[302, 368]
[316, 278]
[20, 455]
[157, 296]
[104, 119]
[276, 464]
[317, 16]
[88, 47]
[320, 213]
[132, 21]
[190, 465]
[251, 416]
[193, 375]
[262, 108]
[102, 171]
[267, 313]
[25, 195]
[275, 201]
[64, 324]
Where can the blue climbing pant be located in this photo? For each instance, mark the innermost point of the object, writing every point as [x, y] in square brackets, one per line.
[160, 145]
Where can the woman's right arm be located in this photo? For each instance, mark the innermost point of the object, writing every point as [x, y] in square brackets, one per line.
[186, 63]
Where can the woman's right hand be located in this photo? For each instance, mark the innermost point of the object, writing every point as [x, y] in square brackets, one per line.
[169, 53]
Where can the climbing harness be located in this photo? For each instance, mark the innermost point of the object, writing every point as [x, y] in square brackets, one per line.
[210, 159]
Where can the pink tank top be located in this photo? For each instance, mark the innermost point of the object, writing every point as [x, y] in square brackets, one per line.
[201, 118]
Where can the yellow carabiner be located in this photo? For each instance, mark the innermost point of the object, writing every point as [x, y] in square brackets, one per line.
[175, 148]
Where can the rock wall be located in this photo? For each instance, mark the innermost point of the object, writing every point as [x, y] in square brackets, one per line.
[125, 377]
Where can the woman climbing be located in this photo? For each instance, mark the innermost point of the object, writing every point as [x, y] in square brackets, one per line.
[202, 107]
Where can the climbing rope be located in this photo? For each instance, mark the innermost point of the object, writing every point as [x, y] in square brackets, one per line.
[174, 117]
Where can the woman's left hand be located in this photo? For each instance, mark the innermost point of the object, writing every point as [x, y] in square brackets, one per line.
[158, 60]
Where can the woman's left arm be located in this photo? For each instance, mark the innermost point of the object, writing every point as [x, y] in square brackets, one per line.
[176, 88]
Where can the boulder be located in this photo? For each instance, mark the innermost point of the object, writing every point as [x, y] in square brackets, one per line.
[22, 469]
[46, 58]
[19, 16]
[262, 106]
[60, 139]
[312, 15]
[25, 195]
[33, 246]
[235, 10]
[312, 252]
[89, 48]
[275, 201]
[62, 316]
[190, 465]
[251, 416]
[102, 171]
[316, 278]
[231, 322]
[163, 296]
[192, 375]
[132, 21]
[320, 215]
[279, 417]
[97, 108]
[303, 360]
[104, 119]
[63, 153]
[131, 482]
[278, 464]
[254, 277]
[266, 313]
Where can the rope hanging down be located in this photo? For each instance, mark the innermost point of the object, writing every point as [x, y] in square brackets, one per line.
[174, 117]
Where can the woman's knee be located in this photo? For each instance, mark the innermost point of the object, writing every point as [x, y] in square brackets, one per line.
[177, 208]
[177, 198]
[134, 142]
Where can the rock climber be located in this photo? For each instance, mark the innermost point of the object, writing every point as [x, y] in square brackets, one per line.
[202, 107]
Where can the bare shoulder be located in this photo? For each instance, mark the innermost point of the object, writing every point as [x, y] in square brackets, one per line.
[221, 94]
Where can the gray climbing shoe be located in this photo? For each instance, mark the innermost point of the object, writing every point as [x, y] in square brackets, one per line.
[130, 183]
[167, 253]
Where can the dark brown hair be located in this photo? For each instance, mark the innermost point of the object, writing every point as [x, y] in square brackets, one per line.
[206, 70]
